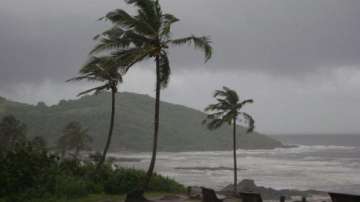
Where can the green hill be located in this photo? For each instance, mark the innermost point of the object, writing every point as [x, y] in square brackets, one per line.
[180, 126]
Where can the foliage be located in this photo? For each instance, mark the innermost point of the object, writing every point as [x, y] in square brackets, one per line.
[28, 174]
[39, 143]
[227, 110]
[74, 138]
[100, 69]
[12, 132]
[127, 180]
[71, 187]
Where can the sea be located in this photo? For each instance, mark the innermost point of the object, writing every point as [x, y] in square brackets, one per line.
[329, 163]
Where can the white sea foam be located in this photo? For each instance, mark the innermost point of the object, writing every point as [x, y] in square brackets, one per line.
[302, 167]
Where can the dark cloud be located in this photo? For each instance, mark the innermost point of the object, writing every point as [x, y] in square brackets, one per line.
[281, 37]
[48, 39]
[297, 58]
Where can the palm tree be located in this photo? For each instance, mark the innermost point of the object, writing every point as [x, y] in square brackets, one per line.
[101, 69]
[145, 35]
[74, 138]
[227, 110]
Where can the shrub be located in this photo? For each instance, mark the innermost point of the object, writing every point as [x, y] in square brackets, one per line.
[127, 180]
[26, 171]
[71, 187]
[30, 175]
[159, 183]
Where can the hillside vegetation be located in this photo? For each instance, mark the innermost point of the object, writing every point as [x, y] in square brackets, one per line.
[180, 126]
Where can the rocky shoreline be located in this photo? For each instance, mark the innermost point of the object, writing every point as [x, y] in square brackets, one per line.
[248, 185]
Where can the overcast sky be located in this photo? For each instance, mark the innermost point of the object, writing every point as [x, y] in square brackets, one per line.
[299, 60]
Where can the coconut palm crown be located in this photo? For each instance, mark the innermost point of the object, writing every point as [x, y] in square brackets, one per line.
[227, 110]
[99, 69]
[145, 35]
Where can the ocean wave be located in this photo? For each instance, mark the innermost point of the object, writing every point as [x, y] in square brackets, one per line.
[297, 149]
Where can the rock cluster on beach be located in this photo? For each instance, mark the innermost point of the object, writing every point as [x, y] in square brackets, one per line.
[248, 185]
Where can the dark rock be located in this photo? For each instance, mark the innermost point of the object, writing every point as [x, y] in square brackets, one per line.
[248, 185]
[170, 197]
[136, 196]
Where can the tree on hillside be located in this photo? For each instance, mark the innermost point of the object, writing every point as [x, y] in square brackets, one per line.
[74, 138]
[101, 69]
[12, 132]
[38, 143]
[145, 35]
[227, 110]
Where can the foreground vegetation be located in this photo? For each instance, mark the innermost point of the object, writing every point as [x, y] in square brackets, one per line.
[31, 174]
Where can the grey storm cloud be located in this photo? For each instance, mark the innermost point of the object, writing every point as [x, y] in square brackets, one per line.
[50, 39]
[296, 58]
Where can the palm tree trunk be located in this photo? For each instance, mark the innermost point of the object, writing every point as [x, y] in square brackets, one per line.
[156, 126]
[235, 163]
[102, 160]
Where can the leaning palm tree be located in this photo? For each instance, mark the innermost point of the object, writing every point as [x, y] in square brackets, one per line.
[145, 35]
[227, 110]
[101, 69]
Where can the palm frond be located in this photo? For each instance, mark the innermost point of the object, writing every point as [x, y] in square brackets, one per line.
[215, 107]
[214, 124]
[116, 38]
[219, 93]
[123, 19]
[230, 95]
[166, 22]
[107, 44]
[229, 116]
[250, 121]
[149, 11]
[201, 43]
[96, 89]
[126, 58]
[240, 105]
[165, 70]
[89, 76]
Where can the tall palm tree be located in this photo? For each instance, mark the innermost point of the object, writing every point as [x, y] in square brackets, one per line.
[227, 110]
[75, 138]
[101, 69]
[145, 35]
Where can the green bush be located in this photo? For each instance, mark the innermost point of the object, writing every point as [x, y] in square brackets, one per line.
[26, 173]
[123, 181]
[71, 187]
[159, 183]
[29, 175]
[127, 180]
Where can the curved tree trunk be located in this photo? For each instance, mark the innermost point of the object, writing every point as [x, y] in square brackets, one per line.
[235, 163]
[156, 126]
[102, 160]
